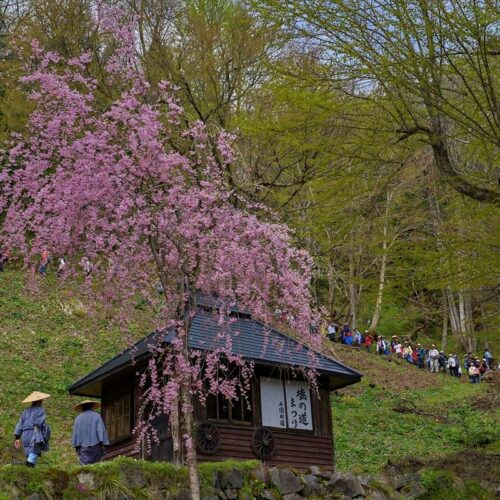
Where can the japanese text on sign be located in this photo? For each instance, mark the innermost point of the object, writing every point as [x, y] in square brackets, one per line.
[298, 398]
[285, 405]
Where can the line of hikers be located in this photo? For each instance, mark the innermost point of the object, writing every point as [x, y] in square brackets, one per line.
[33, 432]
[46, 259]
[432, 359]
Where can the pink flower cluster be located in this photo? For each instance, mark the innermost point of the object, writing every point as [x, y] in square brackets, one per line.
[145, 200]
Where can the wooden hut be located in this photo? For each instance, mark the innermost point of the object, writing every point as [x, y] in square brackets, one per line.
[288, 424]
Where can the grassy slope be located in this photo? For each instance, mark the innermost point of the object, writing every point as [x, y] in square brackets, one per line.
[49, 341]
[399, 412]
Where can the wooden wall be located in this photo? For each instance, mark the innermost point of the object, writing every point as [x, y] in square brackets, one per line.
[298, 449]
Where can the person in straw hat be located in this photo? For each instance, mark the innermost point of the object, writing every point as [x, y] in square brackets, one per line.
[89, 434]
[32, 429]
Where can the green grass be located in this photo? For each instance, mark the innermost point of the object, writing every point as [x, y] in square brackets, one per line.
[369, 432]
[120, 478]
[443, 484]
[50, 340]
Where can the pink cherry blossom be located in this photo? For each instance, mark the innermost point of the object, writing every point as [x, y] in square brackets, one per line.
[144, 198]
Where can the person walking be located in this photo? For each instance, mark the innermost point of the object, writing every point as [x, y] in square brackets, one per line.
[61, 268]
[407, 352]
[483, 368]
[451, 364]
[87, 266]
[32, 429]
[488, 357]
[474, 374]
[467, 361]
[89, 433]
[44, 262]
[332, 331]
[442, 361]
[4, 258]
[357, 337]
[421, 356]
[434, 357]
[398, 349]
[368, 341]
[380, 345]
[349, 338]
[414, 355]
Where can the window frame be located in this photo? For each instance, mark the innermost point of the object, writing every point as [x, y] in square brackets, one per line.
[111, 395]
[230, 420]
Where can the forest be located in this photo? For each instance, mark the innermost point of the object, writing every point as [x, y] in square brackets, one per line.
[372, 129]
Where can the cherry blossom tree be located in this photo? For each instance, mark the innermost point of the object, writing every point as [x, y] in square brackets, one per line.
[130, 184]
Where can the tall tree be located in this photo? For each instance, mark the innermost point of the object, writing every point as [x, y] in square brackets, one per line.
[433, 66]
[144, 196]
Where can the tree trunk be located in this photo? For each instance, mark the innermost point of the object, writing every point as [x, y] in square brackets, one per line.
[461, 312]
[331, 288]
[451, 175]
[353, 299]
[182, 419]
[381, 280]
[469, 321]
[455, 320]
[188, 421]
[186, 398]
[380, 293]
[176, 435]
[444, 310]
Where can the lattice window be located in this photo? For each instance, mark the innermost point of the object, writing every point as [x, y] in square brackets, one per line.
[221, 409]
[118, 416]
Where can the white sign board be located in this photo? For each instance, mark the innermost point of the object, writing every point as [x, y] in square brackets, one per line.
[298, 404]
[272, 400]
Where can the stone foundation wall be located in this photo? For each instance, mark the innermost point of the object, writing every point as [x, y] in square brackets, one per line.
[124, 479]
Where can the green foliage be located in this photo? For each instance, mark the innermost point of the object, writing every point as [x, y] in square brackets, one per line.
[122, 478]
[443, 484]
[206, 469]
[474, 428]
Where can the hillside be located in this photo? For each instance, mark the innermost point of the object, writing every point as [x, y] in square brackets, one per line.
[49, 340]
[399, 412]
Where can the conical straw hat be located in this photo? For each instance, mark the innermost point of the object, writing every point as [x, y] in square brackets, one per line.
[36, 396]
[95, 404]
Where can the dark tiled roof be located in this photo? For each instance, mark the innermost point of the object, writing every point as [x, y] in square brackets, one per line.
[249, 339]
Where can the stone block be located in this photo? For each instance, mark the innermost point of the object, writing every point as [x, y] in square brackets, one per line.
[399, 481]
[231, 494]
[412, 490]
[266, 495]
[312, 485]
[285, 481]
[365, 480]
[261, 474]
[347, 484]
[315, 470]
[232, 478]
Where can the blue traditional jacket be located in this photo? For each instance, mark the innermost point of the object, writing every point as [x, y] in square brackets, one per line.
[89, 430]
[33, 430]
